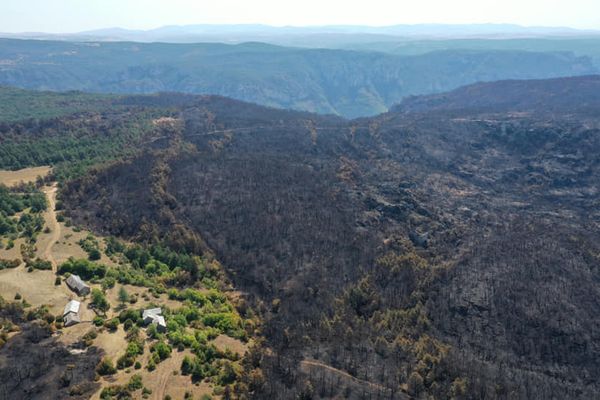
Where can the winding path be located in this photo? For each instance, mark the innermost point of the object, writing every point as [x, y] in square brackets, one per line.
[163, 379]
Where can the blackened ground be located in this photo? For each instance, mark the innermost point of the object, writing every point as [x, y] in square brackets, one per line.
[35, 366]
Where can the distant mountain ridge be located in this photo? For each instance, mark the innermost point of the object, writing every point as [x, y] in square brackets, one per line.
[343, 82]
[244, 32]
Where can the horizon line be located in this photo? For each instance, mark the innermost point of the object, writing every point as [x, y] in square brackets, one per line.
[310, 26]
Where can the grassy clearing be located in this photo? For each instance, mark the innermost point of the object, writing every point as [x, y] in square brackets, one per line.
[25, 175]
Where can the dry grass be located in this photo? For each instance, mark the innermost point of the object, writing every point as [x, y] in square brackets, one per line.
[67, 245]
[36, 287]
[162, 381]
[224, 342]
[112, 295]
[113, 343]
[12, 178]
[13, 253]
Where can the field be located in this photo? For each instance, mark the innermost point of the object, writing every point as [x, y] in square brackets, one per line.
[12, 178]
[37, 288]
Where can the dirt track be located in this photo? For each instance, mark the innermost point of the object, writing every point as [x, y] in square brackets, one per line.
[53, 224]
[308, 363]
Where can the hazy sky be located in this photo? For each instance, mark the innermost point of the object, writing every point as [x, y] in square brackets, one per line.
[78, 15]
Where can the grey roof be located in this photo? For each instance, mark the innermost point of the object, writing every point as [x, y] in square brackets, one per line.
[71, 319]
[72, 307]
[151, 313]
[152, 316]
[75, 283]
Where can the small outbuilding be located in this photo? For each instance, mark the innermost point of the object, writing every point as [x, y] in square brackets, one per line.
[76, 284]
[71, 319]
[153, 316]
[71, 313]
[150, 314]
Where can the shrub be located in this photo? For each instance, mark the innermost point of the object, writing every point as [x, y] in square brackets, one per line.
[39, 264]
[128, 324]
[99, 300]
[229, 373]
[84, 268]
[89, 337]
[113, 246]
[112, 324]
[458, 387]
[151, 365]
[9, 263]
[108, 282]
[152, 331]
[106, 367]
[125, 361]
[123, 295]
[162, 349]
[94, 255]
[131, 314]
[225, 322]
[187, 365]
[134, 348]
[135, 382]
[115, 392]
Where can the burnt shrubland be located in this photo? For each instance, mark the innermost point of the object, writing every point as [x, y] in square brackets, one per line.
[427, 252]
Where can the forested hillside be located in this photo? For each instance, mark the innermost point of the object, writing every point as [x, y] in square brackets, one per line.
[71, 131]
[580, 96]
[445, 249]
[349, 83]
[436, 251]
